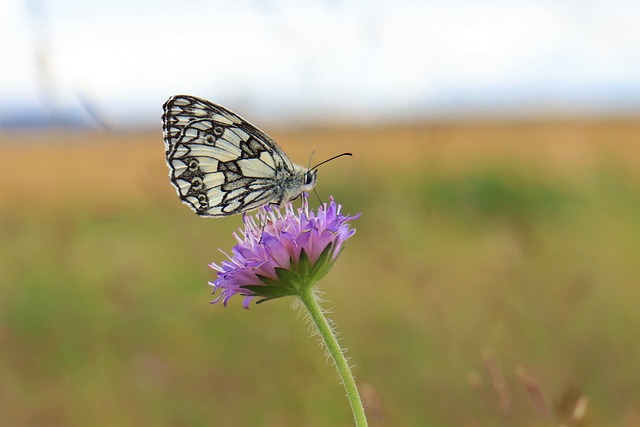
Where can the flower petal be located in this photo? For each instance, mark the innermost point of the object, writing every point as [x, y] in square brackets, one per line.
[281, 249]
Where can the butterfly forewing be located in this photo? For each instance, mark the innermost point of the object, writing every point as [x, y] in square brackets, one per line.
[221, 164]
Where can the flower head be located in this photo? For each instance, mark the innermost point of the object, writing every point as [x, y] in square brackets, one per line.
[278, 253]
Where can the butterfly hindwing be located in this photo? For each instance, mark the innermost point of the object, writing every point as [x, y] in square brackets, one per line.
[219, 163]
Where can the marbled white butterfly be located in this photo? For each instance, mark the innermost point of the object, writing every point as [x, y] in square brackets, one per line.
[221, 165]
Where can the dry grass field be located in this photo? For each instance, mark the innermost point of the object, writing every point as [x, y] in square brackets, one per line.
[494, 280]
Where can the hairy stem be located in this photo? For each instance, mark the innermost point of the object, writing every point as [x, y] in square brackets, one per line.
[328, 335]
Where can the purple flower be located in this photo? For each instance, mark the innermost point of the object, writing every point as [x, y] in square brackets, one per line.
[278, 253]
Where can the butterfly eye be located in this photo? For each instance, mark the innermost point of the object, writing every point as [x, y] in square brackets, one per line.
[210, 140]
[193, 165]
[196, 184]
[218, 131]
[309, 178]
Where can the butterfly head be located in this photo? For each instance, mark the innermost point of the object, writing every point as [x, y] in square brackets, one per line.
[309, 179]
[302, 180]
[305, 179]
[309, 175]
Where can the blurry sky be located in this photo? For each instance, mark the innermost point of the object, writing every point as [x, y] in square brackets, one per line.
[293, 61]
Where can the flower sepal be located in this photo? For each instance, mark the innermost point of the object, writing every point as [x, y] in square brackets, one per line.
[291, 281]
[312, 273]
[287, 283]
[267, 293]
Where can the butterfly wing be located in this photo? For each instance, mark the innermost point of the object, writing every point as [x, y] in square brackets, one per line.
[219, 163]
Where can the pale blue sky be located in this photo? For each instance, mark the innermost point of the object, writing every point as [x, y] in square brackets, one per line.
[298, 61]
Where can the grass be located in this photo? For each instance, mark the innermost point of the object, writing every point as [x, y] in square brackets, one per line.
[494, 280]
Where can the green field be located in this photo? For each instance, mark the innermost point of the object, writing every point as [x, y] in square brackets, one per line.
[494, 280]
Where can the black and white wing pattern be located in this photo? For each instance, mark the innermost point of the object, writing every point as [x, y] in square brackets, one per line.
[221, 164]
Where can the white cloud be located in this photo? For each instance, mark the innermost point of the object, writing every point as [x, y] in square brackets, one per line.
[354, 56]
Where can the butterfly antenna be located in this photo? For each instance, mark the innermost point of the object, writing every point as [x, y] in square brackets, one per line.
[332, 158]
[311, 158]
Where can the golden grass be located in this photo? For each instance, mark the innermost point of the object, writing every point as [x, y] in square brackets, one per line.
[43, 169]
[493, 280]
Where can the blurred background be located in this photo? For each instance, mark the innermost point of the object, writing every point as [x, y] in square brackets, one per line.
[494, 277]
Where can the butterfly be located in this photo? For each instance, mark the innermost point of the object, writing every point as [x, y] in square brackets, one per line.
[222, 165]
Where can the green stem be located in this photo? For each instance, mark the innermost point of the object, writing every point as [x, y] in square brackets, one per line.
[328, 336]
